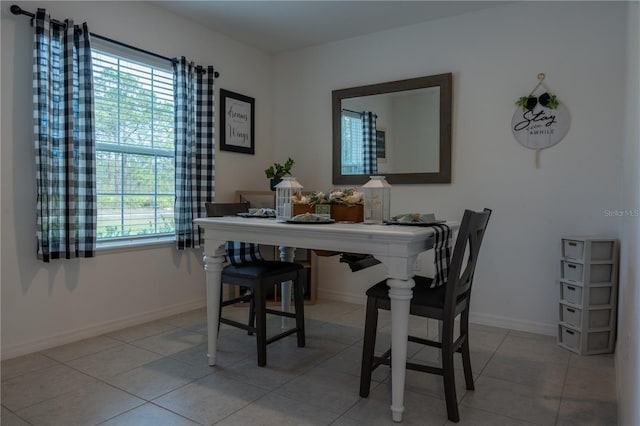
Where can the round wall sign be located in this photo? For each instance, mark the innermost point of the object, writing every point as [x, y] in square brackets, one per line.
[536, 126]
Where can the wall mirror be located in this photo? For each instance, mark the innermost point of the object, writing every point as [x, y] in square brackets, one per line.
[399, 129]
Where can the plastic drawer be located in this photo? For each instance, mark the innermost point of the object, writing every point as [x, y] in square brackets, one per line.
[570, 338]
[602, 250]
[572, 271]
[601, 273]
[600, 295]
[570, 315]
[598, 341]
[573, 249]
[599, 318]
[571, 293]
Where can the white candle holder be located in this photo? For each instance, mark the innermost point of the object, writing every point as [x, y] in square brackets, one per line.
[377, 200]
[285, 191]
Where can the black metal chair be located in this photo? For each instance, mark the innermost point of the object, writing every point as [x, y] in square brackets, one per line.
[443, 303]
[250, 271]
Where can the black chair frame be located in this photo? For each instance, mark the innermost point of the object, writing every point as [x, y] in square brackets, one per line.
[258, 277]
[443, 303]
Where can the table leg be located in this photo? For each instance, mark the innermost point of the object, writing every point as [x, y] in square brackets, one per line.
[287, 254]
[400, 294]
[213, 265]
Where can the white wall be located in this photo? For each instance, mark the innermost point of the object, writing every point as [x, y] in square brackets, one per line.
[628, 345]
[48, 304]
[495, 56]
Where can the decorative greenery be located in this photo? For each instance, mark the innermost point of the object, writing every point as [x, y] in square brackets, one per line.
[522, 101]
[278, 171]
[348, 197]
[546, 100]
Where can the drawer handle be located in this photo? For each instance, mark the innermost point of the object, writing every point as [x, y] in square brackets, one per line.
[573, 244]
[569, 332]
[571, 288]
[571, 310]
[571, 266]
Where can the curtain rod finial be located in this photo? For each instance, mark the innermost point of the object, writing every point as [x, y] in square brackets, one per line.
[15, 9]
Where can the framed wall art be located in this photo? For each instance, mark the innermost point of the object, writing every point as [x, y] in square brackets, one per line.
[237, 122]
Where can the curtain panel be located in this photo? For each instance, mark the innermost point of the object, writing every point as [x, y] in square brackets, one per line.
[194, 148]
[370, 162]
[64, 140]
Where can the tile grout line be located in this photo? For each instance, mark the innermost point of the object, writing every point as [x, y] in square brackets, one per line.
[564, 383]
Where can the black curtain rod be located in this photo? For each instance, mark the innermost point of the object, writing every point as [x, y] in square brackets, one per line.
[348, 110]
[17, 10]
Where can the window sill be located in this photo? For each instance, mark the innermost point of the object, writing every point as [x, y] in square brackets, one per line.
[134, 244]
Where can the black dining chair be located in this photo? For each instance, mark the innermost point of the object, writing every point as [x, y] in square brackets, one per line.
[443, 303]
[249, 270]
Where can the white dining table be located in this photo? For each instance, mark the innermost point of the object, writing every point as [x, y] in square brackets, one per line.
[397, 247]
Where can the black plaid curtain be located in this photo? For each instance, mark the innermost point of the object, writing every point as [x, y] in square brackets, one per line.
[370, 162]
[64, 140]
[194, 148]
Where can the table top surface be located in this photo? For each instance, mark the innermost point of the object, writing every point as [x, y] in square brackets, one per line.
[229, 222]
[339, 236]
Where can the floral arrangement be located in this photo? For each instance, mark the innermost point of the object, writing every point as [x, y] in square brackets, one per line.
[348, 197]
[310, 199]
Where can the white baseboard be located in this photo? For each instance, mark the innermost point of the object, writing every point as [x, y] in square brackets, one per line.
[11, 351]
[514, 324]
[338, 296]
[476, 318]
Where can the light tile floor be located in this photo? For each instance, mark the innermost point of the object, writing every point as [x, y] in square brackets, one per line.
[156, 374]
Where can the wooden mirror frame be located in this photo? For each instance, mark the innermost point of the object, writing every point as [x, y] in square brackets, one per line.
[444, 82]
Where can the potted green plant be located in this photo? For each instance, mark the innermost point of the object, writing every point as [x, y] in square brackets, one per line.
[278, 171]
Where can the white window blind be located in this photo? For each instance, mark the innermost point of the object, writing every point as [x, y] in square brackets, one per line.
[134, 128]
[352, 144]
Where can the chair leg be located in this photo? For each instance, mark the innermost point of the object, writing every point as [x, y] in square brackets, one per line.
[449, 382]
[464, 350]
[368, 346]
[260, 301]
[298, 296]
[252, 312]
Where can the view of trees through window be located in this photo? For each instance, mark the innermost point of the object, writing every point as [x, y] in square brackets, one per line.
[352, 144]
[134, 128]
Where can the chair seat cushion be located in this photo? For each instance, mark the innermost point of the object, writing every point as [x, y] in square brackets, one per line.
[422, 294]
[261, 269]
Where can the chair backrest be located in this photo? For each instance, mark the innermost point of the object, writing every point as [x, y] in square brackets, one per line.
[237, 252]
[226, 209]
[461, 272]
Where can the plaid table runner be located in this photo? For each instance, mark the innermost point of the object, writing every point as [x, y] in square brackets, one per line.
[442, 254]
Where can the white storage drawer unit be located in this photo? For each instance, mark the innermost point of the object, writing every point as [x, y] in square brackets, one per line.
[599, 249]
[569, 338]
[600, 295]
[570, 315]
[571, 292]
[588, 294]
[572, 271]
[600, 318]
[572, 249]
[598, 272]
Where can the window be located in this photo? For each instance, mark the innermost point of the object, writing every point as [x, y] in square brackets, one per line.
[352, 144]
[134, 130]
